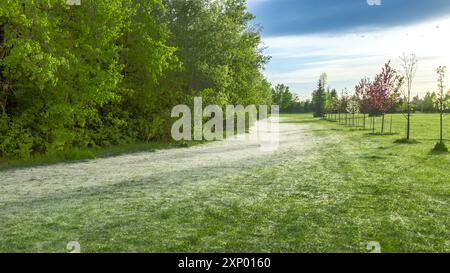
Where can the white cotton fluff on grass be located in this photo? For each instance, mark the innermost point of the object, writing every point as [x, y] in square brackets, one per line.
[184, 165]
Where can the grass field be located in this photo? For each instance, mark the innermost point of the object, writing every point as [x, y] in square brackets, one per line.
[348, 188]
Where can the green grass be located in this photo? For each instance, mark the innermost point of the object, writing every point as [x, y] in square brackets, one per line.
[349, 188]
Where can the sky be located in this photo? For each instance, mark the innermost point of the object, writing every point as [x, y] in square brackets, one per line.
[351, 39]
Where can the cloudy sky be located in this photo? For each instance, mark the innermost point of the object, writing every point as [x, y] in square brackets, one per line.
[350, 39]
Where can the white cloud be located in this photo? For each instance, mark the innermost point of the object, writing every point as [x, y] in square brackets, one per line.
[346, 58]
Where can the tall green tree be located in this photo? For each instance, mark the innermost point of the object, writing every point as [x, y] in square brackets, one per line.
[147, 63]
[282, 96]
[219, 50]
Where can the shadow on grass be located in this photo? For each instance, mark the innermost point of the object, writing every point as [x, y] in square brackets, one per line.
[381, 134]
[435, 152]
[358, 129]
[337, 129]
[407, 141]
[373, 157]
[440, 148]
[300, 121]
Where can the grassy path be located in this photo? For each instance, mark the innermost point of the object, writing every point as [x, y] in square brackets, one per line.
[327, 188]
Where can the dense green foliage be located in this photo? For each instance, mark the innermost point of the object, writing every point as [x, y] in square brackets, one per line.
[283, 97]
[109, 72]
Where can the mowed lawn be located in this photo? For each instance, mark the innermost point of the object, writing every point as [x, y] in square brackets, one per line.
[350, 188]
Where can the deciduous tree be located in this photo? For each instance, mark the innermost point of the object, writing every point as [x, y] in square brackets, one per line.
[409, 64]
[385, 91]
[441, 97]
[362, 97]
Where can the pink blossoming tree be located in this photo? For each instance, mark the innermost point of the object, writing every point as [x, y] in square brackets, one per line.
[362, 97]
[384, 91]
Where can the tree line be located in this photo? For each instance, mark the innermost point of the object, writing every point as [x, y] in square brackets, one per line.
[383, 95]
[388, 92]
[324, 98]
[109, 72]
[288, 101]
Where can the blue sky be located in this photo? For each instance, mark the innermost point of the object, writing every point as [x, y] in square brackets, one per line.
[350, 39]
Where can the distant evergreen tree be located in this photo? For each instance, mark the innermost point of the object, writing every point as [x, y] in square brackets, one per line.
[318, 96]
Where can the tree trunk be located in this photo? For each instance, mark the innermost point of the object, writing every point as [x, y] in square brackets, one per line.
[390, 127]
[442, 113]
[364, 121]
[408, 122]
[382, 124]
[373, 125]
